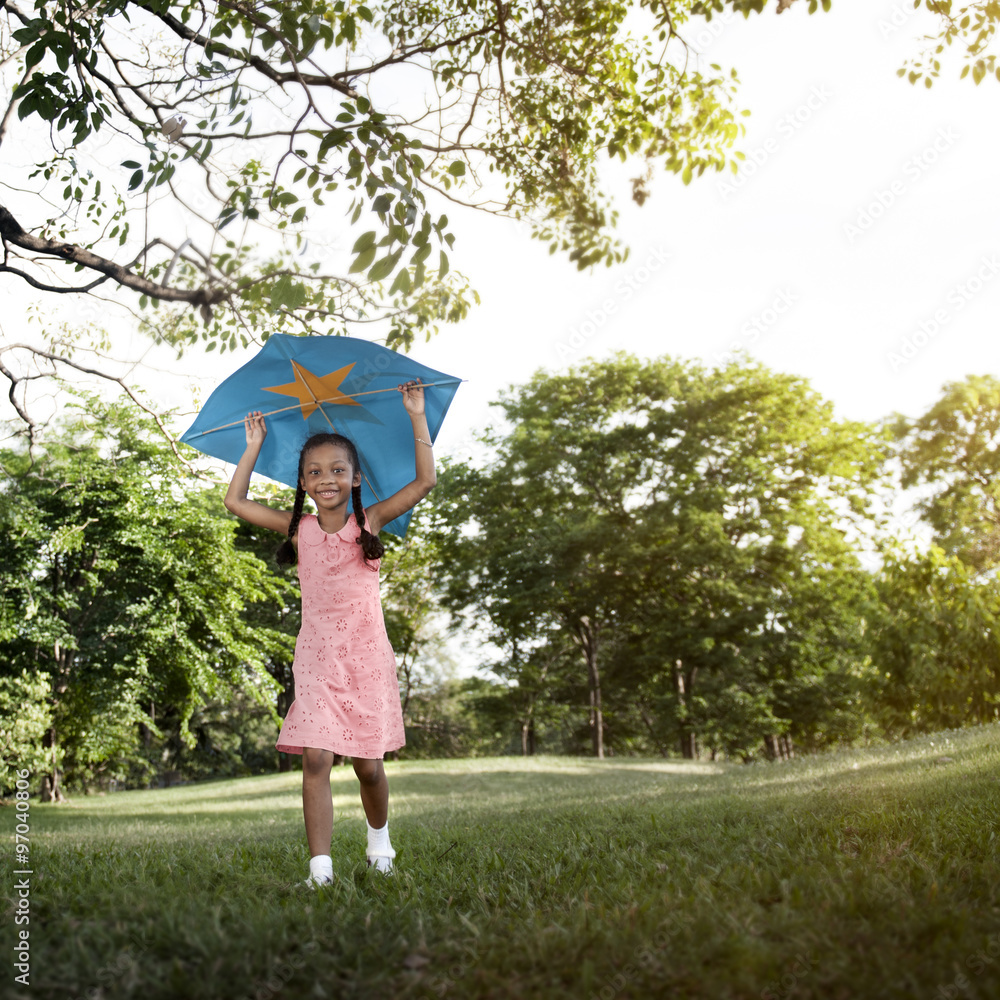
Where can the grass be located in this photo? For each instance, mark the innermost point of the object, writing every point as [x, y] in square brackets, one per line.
[862, 874]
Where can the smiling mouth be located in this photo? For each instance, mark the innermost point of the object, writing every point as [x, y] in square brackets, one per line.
[326, 494]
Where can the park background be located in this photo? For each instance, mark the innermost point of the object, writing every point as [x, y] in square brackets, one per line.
[697, 633]
[842, 278]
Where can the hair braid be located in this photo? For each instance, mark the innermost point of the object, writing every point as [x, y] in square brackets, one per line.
[286, 554]
[370, 544]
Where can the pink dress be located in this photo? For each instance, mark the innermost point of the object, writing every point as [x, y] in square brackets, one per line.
[346, 692]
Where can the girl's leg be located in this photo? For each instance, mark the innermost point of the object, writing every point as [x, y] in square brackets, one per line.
[374, 791]
[375, 799]
[317, 799]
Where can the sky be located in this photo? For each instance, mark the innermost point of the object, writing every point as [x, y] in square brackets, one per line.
[857, 247]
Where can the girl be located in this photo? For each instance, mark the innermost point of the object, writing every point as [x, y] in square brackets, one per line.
[346, 693]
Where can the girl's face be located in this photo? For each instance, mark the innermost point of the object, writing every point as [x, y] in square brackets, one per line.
[328, 476]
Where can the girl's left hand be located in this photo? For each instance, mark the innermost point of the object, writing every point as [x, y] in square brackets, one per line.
[413, 397]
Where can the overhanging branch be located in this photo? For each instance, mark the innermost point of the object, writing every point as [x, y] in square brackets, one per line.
[13, 234]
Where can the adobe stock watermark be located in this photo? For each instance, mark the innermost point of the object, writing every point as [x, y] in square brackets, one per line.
[643, 958]
[913, 170]
[279, 975]
[894, 20]
[759, 324]
[598, 316]
[789, 982]
[956, 300]
[448, 979]
[22, 886]
[976, 964]
[711, 31]
[125, 960]
[786, 127]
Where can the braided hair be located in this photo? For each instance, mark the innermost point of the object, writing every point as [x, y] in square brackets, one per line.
[370, 544]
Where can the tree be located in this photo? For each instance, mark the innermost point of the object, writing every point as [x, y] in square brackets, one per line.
[935, 629]
[954, 451]
[679, 528]
[190, 154]
[25, 717]
[121, 587]
[974, 25]
[409, 607]
[935, 643]
[281, 616]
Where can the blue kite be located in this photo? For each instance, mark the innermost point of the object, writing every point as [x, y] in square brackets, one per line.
[309, 385]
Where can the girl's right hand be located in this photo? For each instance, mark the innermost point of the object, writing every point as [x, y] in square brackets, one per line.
[255, 427]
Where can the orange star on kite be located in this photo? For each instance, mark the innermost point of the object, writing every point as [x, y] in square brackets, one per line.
[312, 390]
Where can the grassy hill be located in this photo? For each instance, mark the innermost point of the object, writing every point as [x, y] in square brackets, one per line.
[864, 874]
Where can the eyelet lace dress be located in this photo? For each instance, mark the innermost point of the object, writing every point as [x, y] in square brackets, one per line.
[346, 692]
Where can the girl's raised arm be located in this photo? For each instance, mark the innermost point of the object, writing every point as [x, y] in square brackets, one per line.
[236, 496]
[410, 495]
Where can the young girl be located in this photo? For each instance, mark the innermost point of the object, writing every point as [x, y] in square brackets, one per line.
[346, 693]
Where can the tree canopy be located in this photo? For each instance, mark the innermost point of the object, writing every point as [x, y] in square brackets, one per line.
[189, 152]
[122, 591]
[675, 537]
[253, 167]
[952, 453]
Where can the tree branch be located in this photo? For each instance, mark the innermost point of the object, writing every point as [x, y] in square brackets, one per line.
[12, 233]
[59, 359]
[263, 67]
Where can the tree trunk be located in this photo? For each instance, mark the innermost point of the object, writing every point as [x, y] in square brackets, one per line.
[683, 686]
[51, 790]
[588, 642]
[528, 730]
[778, 747]
[661, 748]
[407, 669]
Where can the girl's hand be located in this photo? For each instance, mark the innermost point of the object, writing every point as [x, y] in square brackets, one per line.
[413, 397]
[255, 427]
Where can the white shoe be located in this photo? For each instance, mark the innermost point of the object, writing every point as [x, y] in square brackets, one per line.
[314, 882]
[381, 863]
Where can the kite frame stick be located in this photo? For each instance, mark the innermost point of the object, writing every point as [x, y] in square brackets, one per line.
[327, 399]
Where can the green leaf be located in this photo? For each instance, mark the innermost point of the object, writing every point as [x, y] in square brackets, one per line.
[456, 168]
[402, 283]
[364, 242]
[362, 261]
[34, 56]
[384, 267]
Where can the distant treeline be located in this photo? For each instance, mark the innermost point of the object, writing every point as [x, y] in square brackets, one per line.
[655, 557]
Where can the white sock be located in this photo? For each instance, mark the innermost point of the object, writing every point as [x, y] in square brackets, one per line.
[380, 852]
[321, 868]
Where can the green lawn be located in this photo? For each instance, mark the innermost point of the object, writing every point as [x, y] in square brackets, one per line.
[865, 874]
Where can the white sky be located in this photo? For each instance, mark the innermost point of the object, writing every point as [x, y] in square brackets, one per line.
[735, 246]
[711, 258]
